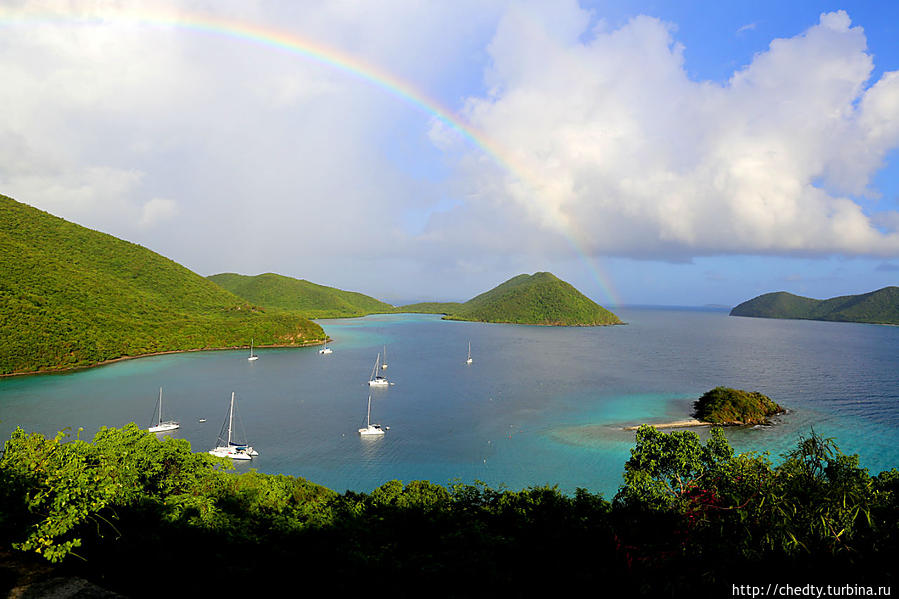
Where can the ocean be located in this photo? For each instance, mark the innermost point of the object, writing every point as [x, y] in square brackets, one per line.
[537, 406]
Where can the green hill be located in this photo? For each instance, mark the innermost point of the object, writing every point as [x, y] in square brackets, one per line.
[877, 307]
[71, 296]
[313, 301]
[541, 299]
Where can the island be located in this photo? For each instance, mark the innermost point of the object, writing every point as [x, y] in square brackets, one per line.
[876, 307]
[72, 297]
[537, 299]
[724, 406]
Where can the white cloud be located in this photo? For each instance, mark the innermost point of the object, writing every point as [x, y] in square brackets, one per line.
[157, 210]
[110, 109]
[611, 142]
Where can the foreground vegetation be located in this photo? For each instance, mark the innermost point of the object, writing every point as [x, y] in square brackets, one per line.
[723, 405]
[689, 517]
[70, 297]
[876, 307]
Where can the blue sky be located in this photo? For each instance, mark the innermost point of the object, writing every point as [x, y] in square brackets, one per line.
[678, 153]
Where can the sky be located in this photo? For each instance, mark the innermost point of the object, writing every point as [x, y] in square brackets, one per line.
[648, 152]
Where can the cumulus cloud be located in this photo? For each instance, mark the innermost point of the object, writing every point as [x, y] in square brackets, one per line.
[611, 144]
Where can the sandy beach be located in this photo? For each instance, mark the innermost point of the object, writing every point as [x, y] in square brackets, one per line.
[676, 424]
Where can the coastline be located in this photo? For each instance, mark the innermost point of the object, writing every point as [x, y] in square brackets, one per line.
[160, 353]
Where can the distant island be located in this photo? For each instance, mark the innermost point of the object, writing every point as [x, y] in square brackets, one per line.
[876, 307]
[541, 299]
[73, 297]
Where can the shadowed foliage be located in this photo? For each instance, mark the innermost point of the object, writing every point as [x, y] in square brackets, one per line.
[690, 518]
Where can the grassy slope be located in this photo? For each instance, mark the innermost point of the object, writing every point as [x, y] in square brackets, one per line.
[541, 298]
[314, 301]
[879, 307]
[70, 296]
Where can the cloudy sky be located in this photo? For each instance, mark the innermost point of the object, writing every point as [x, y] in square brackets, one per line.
[649, 152]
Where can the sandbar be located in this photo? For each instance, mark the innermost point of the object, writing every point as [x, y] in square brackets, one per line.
[676, 424]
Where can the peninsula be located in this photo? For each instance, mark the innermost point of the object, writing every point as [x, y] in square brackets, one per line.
[73, 297]
[309, 299]
[876, 307]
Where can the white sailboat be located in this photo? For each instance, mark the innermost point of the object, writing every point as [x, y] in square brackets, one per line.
[376, 380]
[158, 426]
[252, 356]
[384, 363]
[371, 429]
[469, 360]
[325, 350]
[225, 447]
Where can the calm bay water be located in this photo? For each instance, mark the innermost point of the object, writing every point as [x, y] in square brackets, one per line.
[539, 405]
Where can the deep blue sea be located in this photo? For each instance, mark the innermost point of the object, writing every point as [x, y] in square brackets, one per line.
[538, 405]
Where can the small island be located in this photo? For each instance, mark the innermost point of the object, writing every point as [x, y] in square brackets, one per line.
[723, 406]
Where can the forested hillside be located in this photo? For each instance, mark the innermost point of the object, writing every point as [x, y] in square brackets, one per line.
[876, 307]
[310, 299]
[71, 296]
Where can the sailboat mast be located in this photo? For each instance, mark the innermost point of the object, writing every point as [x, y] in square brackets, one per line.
[368, 416]
[160, 407]
[230, 418]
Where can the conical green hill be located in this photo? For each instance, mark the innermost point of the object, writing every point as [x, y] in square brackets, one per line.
[541, 298]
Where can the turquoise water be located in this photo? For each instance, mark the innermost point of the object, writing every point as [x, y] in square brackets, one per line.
[539, 405]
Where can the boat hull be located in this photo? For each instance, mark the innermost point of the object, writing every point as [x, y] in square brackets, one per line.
[371, 431]
[224, 452]
[163, 427]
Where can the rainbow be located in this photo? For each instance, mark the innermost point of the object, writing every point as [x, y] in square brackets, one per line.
[332, 58]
